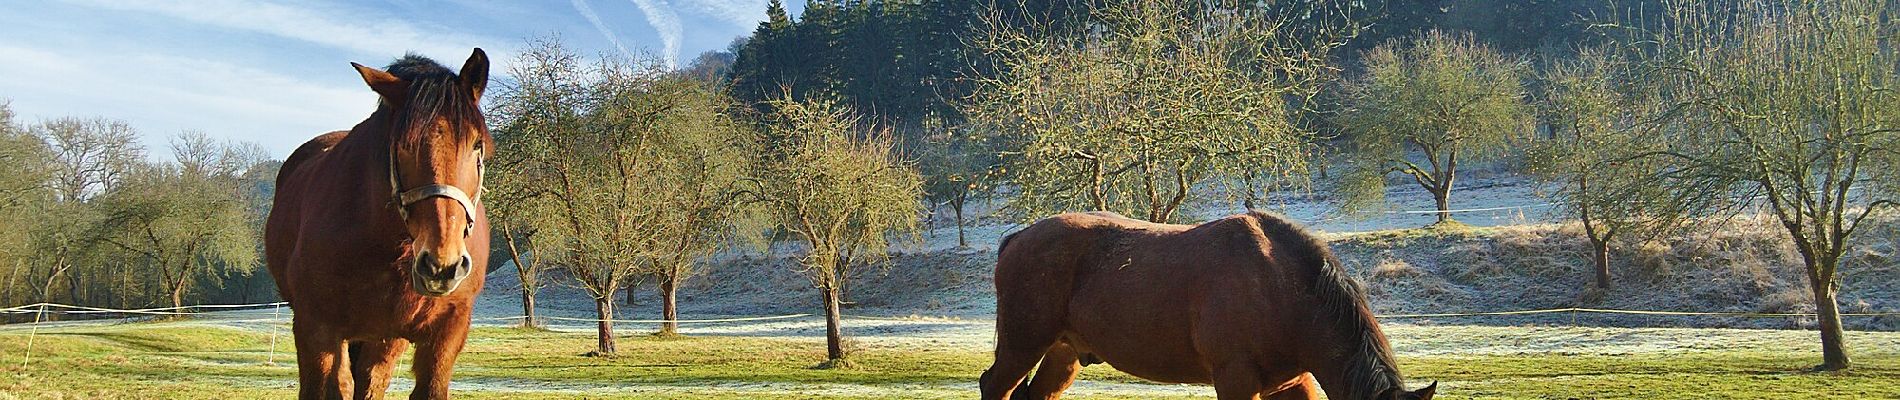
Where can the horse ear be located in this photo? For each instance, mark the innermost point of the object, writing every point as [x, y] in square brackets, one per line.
[1427, 392]
[1393, 393]
[475, 72]
[392, 89]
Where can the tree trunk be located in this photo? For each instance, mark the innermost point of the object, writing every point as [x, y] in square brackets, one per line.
[962, 241]
[604, 310]
[72, 289]
[178, 297]
[527, 309]
[1828, 314]
[46, 291]
[834, 325]
[1600, 252]
[125, 288]
[631, 292]
[1445, 179]
[669, 306]
[1599, 238]
[1095, 186]
[6, 296]
[1442, 196]
[524, 276]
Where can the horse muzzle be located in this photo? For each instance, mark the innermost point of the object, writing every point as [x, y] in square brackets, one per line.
[429, 277]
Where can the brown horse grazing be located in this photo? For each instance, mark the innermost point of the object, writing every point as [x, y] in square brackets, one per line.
[376, 234]
[1250, 303]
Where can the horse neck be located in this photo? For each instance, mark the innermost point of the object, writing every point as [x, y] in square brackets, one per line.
[1367, 368]
[363, 162]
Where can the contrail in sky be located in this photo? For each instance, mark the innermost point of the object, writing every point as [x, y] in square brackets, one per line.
[666, 22]
[587, 11]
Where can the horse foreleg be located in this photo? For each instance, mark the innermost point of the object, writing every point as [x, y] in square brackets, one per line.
[1059, 367]
[1303, 388]
[434, 360]
[319, 365]
[370, 365]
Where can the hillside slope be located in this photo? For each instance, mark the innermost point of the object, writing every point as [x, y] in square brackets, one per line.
[1743, 266]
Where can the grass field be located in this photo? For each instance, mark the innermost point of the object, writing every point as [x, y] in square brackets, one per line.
[196, 360]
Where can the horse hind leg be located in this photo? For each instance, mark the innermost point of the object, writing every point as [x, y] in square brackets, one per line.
[1016, 353]
[1059, 367]
[371, 363]
[1022, 339]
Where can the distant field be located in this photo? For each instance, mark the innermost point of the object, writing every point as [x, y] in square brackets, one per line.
[935, 359]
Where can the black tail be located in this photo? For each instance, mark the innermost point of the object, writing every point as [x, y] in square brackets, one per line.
[1005, 243]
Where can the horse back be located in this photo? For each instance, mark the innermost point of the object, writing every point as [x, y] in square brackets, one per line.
[1080, 243]
[1039, 267]
[312, 149]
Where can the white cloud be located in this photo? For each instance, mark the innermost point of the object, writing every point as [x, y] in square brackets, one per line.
[365, 35]
[601, 25]
[164, 95]
[666, 22]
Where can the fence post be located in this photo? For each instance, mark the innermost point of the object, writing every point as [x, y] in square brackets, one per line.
[274, 312]
[37, 317]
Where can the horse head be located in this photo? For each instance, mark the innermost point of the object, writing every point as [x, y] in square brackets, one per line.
[1399, 393]
[438, 143]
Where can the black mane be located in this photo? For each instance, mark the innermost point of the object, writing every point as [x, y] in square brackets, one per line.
[1370, 369]
[435, 93]
[413, 67]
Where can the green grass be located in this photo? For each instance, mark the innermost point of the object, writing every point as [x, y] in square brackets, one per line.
[198, 361]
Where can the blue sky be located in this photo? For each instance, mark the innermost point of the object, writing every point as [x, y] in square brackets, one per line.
[277, 72]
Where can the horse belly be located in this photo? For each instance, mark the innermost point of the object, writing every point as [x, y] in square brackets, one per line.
[1143, 335]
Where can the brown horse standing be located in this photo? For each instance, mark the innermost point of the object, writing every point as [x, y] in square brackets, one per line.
[375, 239]
[1251, 304]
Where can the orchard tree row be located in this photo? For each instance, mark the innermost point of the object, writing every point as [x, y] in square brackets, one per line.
[89, 217]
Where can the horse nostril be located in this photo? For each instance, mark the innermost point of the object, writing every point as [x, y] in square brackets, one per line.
[462, 269]
[420, 263]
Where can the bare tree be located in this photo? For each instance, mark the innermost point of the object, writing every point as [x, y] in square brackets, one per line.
[187, 219]
[1594, 109]
[842, 193]
[25, 191]
[708, 157]
[1786, 104]
[90, 156]
[621, 170]
[542, 99]
[1167, 96]
[959, 166]
[1445, 96]
[580, 143]
[93, 154]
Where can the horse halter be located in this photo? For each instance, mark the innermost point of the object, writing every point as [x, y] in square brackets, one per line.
[402, 199]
